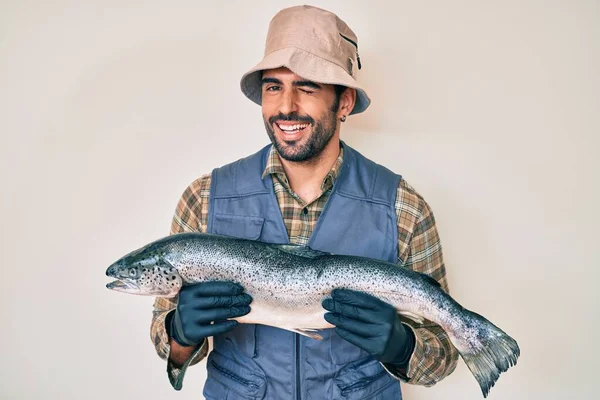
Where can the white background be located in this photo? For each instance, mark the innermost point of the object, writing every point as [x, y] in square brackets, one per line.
[109, 109]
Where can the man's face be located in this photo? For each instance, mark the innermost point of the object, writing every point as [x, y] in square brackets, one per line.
[299, 115]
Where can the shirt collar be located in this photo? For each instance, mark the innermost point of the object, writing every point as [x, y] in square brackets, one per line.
[275, 168]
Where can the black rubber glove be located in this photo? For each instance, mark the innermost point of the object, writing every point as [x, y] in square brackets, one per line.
[370, 324]
[203, 309]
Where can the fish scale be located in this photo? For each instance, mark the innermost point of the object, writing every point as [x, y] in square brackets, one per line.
[288, 283]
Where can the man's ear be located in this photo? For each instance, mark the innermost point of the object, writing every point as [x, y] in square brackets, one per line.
[347, 101]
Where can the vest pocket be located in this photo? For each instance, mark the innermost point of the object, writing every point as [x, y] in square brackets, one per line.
[231, 380]
[213, 390]
[239, 226]
[366, 379]
[343, 352]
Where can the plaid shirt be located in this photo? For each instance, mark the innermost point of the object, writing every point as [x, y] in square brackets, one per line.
[419, 249]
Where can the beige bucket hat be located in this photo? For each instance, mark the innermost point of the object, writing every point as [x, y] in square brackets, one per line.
[316, 45]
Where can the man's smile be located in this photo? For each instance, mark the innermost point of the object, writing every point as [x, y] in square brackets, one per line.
[290, 130]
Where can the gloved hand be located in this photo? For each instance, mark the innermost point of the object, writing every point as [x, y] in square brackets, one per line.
[370, 324]
[203, 309]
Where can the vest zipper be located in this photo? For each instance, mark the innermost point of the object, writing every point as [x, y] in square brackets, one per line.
[297, 339]
[355, 45]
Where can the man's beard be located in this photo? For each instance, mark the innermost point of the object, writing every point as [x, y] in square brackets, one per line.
[322, 132]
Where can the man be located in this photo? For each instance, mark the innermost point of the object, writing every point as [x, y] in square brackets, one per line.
[307, 188]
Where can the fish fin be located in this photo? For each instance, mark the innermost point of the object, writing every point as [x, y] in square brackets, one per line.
[487, 353]
[311, 333]
[414, 317]
[302, 251]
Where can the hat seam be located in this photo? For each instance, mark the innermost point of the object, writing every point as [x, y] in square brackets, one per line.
[314, 55]
[338, 42]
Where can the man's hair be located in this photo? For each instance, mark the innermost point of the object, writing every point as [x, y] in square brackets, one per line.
[339, 90]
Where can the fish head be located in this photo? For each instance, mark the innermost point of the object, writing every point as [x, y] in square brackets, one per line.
[146, 273]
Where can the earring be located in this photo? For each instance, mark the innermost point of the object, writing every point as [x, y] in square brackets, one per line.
[343, 119]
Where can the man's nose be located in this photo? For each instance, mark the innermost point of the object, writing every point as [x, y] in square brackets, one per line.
[288, 102]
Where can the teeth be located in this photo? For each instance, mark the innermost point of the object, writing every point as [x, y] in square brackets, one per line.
[292, 127]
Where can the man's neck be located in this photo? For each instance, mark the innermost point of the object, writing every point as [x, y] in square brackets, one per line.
[306, 177]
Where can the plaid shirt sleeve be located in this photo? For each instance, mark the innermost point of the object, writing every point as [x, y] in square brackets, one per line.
[419, 249]
[190, 216]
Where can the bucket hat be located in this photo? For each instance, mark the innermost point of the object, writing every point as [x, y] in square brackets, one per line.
[314, 44]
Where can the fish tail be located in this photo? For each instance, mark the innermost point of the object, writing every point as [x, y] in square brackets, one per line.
[486, 349]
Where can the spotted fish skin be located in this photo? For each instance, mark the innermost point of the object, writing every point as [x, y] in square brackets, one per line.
[288, 283]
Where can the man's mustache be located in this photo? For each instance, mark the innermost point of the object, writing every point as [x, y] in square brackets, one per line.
[293, 117]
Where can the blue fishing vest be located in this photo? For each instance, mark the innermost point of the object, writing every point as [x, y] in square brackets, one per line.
[263, 362]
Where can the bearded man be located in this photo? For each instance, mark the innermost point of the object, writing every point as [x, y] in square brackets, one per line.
[307, 188]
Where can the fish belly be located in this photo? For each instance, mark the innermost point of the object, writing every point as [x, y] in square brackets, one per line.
[303, 318]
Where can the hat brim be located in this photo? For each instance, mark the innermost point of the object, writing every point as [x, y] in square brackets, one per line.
[306, 65]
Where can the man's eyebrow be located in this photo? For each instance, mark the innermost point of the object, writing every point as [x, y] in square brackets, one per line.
[309, 84]
[270, 80]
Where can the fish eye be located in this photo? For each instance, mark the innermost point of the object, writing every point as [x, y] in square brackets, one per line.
[132, 272]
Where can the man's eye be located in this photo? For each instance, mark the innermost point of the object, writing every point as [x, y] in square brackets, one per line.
[272, 88]
[307, 91]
